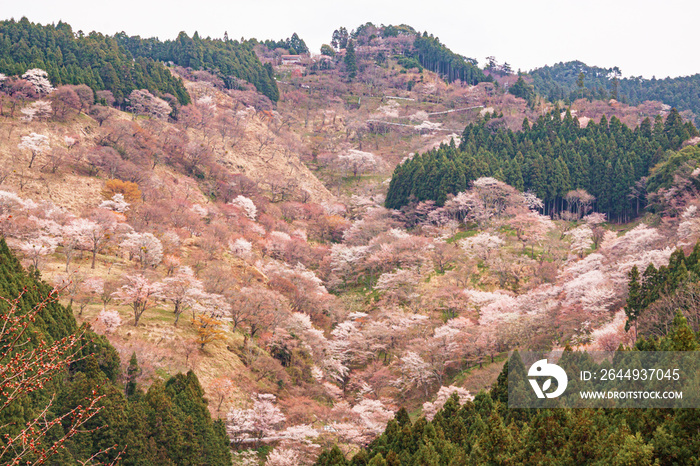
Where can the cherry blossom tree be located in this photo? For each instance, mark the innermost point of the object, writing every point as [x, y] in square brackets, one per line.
[142, 102]
[37, 248]
[430, 409]
[246, 205]
[223, 388]
[283, 457]
[415, 373]
[94, 233]
[115, 204]
[241, 248]
[138, 293]
[261, 309]
[183, 290]
[306, 293]
[145, 247]
[581, 239]
[611, 335]
[110, 319]
[481, 245]
[36, 144]
[357, 162]
[38, 110]
[39, 79]
[257, 422]
[579, 202]
[400, 285]
[373, 416]
[344, 260]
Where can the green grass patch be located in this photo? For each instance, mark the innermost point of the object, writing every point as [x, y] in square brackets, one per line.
[461, 235]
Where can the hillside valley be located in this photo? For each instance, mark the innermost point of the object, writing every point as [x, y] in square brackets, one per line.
[334, 247]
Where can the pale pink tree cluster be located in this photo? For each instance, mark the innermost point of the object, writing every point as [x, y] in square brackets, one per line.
[400, 285]
[246, 205]
[145, 247]
[345, 259]
[427, 127]
[86, 234]
[580, 202]
[591, 293]
[183, 290]
[415, 373]
[39, 110]
[637, 239]
[481, 245]
[260, 421]
[142, 102]
[611, 335]
[110, 319]
[689, 226]
[36, 248]
[115, 204]
[138, 293]
[532, 202]
[430, 409]
[308, 293]
[36, 144]
[241, 248]
[388, 110]
[283, 457]
[276, 243]
[581, 239]
[658, 257]
[373, 416]
[595, 218]
[39, 79]
[357, 162]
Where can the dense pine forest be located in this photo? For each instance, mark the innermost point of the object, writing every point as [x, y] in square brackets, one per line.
[229, 59]
[575, 80]
[70, 57]
[437, 58]
[169, 424]
[551, 157]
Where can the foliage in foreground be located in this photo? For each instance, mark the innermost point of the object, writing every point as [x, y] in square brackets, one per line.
[486, 431]
[169, 424]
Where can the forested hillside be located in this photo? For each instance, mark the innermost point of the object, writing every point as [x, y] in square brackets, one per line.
[484, 430]
[71, 57]
[230, 60]
[379, 238]
[575, 80]
[437, 58]
[550, 158]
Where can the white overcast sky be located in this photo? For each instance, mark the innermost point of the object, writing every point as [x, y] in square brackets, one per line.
[642, 37]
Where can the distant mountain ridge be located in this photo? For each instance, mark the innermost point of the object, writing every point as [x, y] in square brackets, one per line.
[561, 82]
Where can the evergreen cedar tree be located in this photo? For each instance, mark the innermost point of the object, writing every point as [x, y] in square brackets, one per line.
[573, 80]
[294, 45]
[167, 425]
[350, 60]
[550, 157]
